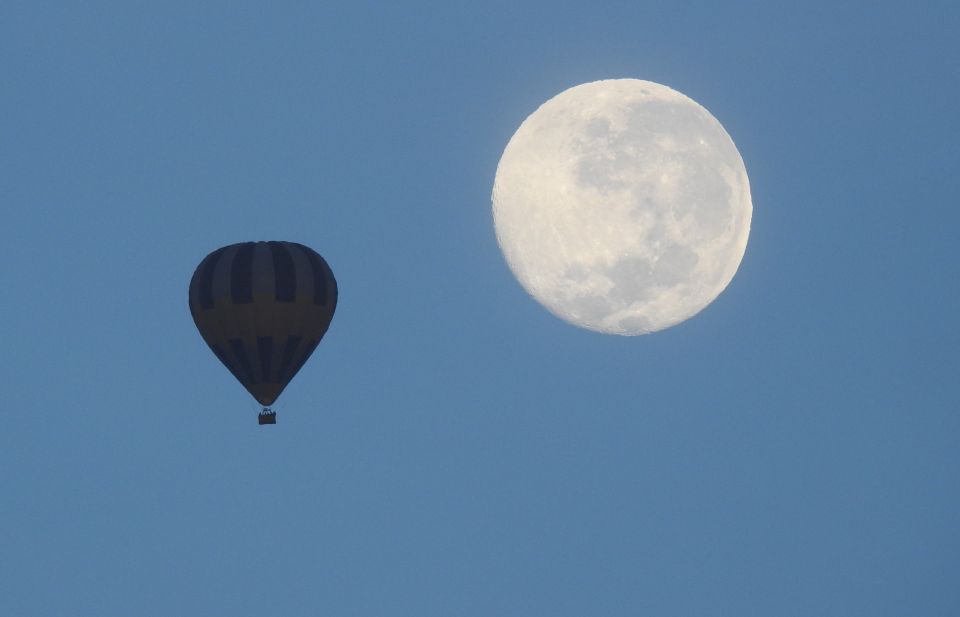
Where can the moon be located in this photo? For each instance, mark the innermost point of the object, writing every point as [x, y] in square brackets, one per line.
[622, 206]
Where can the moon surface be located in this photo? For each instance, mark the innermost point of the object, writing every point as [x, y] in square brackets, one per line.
[622, 206]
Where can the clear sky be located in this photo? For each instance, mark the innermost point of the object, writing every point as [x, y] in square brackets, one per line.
[452, 449]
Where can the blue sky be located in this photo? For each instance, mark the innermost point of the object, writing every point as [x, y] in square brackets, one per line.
[451, 448]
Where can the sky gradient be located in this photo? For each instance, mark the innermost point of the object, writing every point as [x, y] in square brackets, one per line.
[452, 448]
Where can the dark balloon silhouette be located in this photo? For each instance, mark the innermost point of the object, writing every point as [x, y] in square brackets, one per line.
[263, 307]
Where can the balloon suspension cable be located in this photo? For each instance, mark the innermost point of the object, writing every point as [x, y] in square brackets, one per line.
[267, 416]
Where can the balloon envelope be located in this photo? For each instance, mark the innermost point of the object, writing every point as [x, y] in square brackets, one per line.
[263, 307]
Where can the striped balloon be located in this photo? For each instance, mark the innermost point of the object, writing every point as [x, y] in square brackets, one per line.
[263, 307]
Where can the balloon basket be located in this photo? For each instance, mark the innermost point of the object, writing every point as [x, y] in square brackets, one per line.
[267, 417]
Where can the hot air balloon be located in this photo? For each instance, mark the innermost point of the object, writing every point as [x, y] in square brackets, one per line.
[263, 307]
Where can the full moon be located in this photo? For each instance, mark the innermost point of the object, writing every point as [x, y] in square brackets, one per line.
[622, 206]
